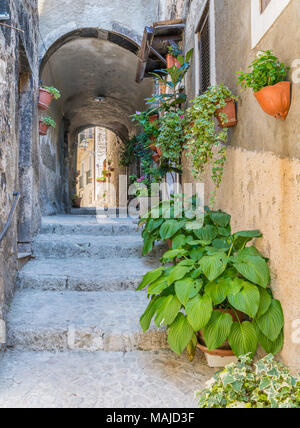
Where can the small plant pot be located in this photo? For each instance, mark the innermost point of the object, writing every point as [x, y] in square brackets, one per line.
[156, 158]
[43, 129]
[77, 202]
[275, 100]
[230, 111]
[153, 118]
[171, 61]
[45, 99]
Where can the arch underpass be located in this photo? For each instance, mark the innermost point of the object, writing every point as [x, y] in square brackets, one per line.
[96, 77]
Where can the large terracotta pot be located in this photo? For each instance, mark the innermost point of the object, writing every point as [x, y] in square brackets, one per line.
[171, 61]
[43, 129]
[275, 100]
[230, 111]
[45, 99]
[77, 203]
[221, 352]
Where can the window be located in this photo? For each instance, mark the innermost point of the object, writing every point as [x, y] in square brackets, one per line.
[4, 13]
[204, 51]
[263, 5]
[263, 15]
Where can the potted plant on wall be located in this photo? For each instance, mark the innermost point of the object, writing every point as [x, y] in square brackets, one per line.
[267, 79]
[45, 123]
[205, 144]
[174, 55]
[47, 94]
[216, 293]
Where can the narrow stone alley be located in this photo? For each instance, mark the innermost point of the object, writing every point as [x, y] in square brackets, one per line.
[73, 332]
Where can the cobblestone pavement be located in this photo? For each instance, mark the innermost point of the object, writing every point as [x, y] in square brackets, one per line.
[156, 379]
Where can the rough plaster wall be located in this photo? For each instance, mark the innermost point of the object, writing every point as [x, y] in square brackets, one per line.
[261, 185]
[58, 18]
[24, 16]
[113, 154]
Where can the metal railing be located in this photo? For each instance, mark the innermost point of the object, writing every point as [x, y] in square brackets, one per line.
[10, 217]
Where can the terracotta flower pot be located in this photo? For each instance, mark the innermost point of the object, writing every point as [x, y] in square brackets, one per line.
[156, 158]
[45, 99]
[43, 128]
[221, 352]
[77, 202]
[230, 111]
[153, 118]
[275, 100]
[171, 61]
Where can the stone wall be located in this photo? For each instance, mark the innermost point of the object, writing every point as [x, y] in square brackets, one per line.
[19, 166]
[261, 185]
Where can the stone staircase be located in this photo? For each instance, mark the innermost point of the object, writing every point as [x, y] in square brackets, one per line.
[75, 318]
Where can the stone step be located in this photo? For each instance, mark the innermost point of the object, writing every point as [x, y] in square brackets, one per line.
[100, 380]
[95, 321]
[102, 247]
[83, 211]
[72, 225]
[85, 274]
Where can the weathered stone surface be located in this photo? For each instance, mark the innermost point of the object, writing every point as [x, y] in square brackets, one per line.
[77, 320]
[100, 380]
[85, 274]
[69, 225]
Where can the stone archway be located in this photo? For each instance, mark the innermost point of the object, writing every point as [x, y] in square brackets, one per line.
[96, 76]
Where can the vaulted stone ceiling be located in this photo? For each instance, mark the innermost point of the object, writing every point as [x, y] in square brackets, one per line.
[97, 81]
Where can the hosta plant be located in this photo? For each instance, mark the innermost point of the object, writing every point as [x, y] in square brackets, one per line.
[206, 144]
[266, 70]
[210, 270]
[170, 220]
[268, 384]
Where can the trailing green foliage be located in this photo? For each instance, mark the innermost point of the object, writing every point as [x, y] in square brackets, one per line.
[209, 270]
[53, 91]
[268, 384]
[267, 70]
[206, 144]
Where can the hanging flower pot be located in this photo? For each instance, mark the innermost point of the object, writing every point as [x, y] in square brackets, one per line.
[230, 111]
[171, 61]
[153, 118]
[45, 123]
[45, 99]
[275, 100]
[156, 157]
[43, 128]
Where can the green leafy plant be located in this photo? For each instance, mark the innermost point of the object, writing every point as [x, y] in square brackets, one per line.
[74, 197]
[268, 384]
[212, 271]
[267, 70]
[171, 136]
[48, 121]
[168, 219]
[173, 78]
[53, 91]
[175, 50]
[206, 145]
[142, 185]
